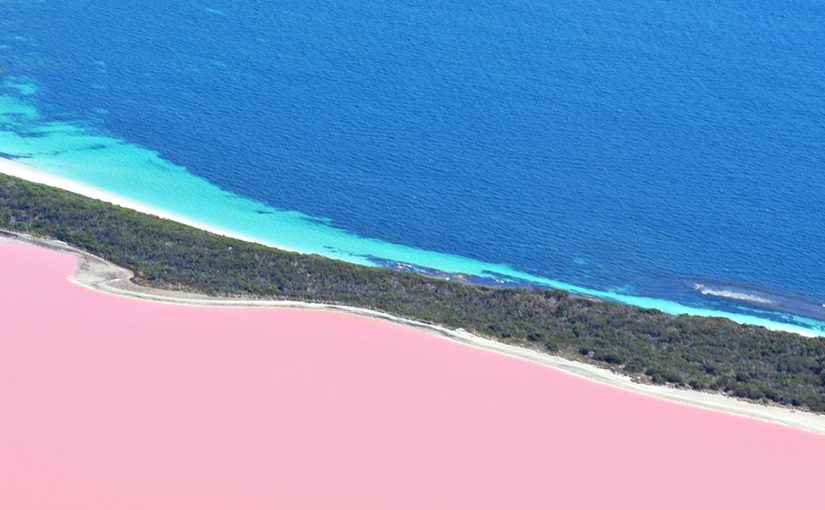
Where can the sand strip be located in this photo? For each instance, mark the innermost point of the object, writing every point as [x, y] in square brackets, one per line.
[31, 174]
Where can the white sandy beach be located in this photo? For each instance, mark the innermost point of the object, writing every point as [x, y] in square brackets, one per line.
[31, 174]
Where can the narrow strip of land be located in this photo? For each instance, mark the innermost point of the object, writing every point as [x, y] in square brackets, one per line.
[100, 275]
[698, 353]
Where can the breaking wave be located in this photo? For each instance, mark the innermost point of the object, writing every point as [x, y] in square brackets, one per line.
[732, 294]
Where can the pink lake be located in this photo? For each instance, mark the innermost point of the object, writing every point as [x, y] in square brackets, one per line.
[110, 403]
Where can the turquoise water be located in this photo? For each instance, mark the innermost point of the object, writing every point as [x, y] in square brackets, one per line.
[599, 157]
[139, 174]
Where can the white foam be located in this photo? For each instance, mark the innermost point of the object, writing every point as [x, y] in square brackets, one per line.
[730, 294]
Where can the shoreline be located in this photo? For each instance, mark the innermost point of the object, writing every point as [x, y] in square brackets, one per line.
[25, 172]
[100, 275]
[14, 168]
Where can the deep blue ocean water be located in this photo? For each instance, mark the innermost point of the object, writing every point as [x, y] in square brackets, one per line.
[646, 148]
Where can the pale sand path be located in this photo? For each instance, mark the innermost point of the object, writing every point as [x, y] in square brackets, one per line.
[101, 275]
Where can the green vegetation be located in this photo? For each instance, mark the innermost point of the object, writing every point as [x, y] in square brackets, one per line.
[701, 353]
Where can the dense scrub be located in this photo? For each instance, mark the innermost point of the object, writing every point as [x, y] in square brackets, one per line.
[703, 353]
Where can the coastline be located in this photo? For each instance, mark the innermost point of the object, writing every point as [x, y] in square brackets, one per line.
[100, 275]
[19, 170]
[28, 173]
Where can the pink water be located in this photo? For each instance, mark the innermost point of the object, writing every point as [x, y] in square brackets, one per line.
[109, 403]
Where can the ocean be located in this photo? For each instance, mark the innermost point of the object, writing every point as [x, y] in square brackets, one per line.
[664, 154]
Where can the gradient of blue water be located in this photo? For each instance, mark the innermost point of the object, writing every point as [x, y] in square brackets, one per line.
[635, 147]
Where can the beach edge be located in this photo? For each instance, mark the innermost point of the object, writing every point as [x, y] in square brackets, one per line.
[21, 170]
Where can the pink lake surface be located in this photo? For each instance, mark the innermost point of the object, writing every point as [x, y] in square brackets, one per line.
[109, 403]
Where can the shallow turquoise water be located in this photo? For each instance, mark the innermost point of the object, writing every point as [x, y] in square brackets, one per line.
[618, 150]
